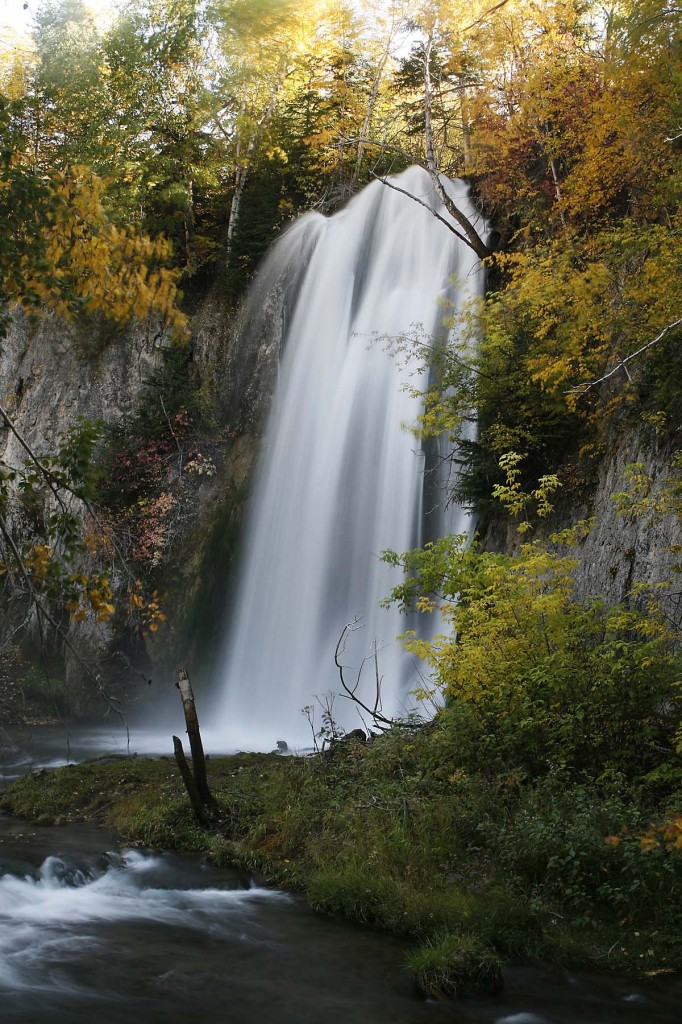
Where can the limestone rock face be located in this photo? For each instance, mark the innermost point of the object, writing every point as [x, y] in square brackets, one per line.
[52, 372]
[623, 548]
[620, 548]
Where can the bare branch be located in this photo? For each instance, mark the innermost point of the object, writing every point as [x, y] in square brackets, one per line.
[378, 718]
[485, 15]
[434, 213]
[473, 239]
[56, 484]
[582, 389]
[46, 473]
[173, 434]
[356, 140]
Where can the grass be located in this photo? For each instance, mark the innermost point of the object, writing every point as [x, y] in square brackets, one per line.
[455, 965]
[477, 870]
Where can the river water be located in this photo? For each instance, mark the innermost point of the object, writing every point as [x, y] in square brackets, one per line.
[91, 931]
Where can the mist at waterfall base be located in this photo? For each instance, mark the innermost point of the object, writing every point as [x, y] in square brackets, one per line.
[340, 477]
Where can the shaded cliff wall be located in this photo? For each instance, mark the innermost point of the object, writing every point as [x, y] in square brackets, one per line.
[52, 372]
[620, 549]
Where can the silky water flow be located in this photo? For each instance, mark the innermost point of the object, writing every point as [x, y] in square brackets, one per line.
[341, 477]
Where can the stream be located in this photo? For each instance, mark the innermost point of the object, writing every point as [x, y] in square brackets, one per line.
[92, 931]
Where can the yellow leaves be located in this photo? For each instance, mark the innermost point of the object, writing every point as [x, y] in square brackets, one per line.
[518, 502]
[38, 561]
[92, 598]
[665, 835]
[94, 264]
[92, 595]
[671, 833]
[145, 614]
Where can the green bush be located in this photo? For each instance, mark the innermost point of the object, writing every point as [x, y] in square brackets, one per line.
[534, 677]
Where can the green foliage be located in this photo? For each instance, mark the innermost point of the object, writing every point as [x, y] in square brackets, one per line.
[532, 676]
[584, 848]
[455, 965]
[400, 834]
[51, 562]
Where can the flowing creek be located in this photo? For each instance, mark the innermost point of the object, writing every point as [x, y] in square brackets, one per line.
[89, 930]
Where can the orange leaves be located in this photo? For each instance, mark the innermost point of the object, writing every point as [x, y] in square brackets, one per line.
[663, 836]
[145, 614]
[90, 595]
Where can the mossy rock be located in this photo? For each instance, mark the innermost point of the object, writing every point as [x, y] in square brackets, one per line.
[455, 965]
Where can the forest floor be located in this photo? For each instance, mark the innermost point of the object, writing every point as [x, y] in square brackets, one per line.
[480, 871]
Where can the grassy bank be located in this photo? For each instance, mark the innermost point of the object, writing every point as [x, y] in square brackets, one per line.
[479, 870]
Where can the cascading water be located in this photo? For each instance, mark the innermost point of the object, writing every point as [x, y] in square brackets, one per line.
[340, 478]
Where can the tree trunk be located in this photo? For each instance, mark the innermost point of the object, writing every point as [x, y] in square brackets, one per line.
[473, 239]
[190, 785]
[200, 780]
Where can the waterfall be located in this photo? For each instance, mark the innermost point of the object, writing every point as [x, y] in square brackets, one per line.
[340, 478]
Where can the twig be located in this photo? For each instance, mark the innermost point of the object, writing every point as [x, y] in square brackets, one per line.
[56, 483]
[434, 213]
[582, 389]
[51, 480]
[174, 435]
[485, 15]
[378, 718]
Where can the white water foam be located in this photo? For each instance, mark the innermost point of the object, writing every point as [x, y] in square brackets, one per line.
[47, 920]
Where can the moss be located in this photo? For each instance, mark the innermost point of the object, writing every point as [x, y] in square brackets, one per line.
[203, 583]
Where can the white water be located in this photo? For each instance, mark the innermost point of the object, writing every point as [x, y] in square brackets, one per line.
[340, 478]
[47, 919]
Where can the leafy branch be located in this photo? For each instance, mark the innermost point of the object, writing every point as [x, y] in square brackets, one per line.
[582, 389]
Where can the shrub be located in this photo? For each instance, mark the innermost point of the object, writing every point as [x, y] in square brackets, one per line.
[534, 677]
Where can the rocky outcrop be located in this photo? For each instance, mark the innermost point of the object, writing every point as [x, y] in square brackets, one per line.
[623, 548]
[52, 372]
